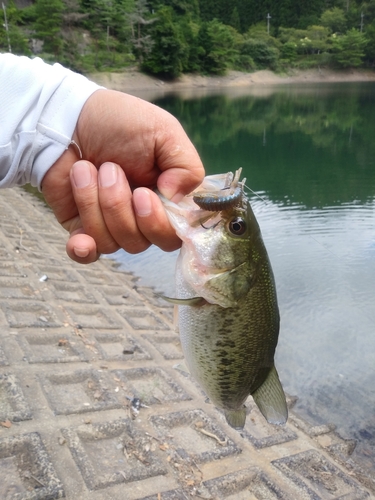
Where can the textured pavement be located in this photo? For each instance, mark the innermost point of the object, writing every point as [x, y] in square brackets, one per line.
[94, 402]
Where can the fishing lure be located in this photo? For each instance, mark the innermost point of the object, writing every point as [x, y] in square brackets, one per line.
[215, 202]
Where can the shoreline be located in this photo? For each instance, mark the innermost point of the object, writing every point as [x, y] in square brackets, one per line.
[133, 80]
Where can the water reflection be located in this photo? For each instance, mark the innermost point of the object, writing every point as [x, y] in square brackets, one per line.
[291, 143]
[310, 154]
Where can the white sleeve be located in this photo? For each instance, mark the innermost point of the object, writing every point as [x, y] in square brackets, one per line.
[39, 108]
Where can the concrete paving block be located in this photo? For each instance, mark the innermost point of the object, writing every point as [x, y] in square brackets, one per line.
[141, 319]
[9, 269]
[5, 254]
[168, 495]
[318, 477]
[11, 230]
[194, 436]
[154, 297]
[113, 452]
[30, 314]
[249, 483]
[72, 292]
[49, 235]
[18, 288]
[3, 359]
[56, 272]
[119, 296]
[309, 429]
[119, 347]
[51, 348]
[98, 277]
[80, 391]
[150, 385]
[260, 433]
[26, 471]
[52, 264]
[166, 309]
[169, 346]
[27, 245]
[341, 451]
[59, 247]
[87, 316]
[13, 405]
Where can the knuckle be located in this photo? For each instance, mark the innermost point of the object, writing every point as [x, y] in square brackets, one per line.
[136, 246]
[107, 245]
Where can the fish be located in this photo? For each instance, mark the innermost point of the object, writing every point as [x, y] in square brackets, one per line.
[228, 316]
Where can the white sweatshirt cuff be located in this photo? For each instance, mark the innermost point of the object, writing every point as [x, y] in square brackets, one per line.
[39, 109]
[57, 123]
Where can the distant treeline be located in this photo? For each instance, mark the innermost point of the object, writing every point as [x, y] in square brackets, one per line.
[170, 37]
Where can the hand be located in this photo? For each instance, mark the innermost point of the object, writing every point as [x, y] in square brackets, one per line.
[106, 201]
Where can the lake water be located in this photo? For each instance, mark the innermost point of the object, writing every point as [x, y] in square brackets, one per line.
[309, 152]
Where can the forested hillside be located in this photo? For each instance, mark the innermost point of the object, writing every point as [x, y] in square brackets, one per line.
[170, 37]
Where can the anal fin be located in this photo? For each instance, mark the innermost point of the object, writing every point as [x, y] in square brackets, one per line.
[270, 399]
[236, 418]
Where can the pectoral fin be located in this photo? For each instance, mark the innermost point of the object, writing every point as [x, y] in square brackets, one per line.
[227, 288]
[270, 399]
[192, 301]
[181, 367]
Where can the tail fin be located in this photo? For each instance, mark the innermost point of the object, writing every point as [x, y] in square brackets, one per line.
[270, 399]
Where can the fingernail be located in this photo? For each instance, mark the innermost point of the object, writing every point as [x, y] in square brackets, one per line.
[81, 252]
[81, 175]
[108, 174]
[142, 202]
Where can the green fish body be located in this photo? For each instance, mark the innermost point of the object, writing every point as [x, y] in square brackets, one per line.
[228, 316]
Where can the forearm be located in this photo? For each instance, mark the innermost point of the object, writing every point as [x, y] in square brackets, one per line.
[39, 108]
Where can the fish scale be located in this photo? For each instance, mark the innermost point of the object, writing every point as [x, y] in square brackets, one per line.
[228, 315]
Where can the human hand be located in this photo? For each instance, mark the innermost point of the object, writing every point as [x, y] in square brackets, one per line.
[106, 201]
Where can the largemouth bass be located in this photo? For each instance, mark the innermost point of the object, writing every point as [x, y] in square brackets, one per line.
[228, 317]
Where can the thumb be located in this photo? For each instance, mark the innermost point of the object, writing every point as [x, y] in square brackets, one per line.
[82, 248]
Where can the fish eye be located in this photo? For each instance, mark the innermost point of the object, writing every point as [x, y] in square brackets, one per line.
[237, 226]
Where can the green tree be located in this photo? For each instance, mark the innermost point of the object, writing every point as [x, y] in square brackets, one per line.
[190, 31]
[208, 10]
[188, 8]
[12, 34]
[313, 40]
[318, 35]
[349, 49]
[119, 22]
[259, 31]
[167, 53]
[334, 19]
[218, 47]
[264, 55]
[234, 20]
[370, 46]
[288, 52]
[48, 24]
[139, 19]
